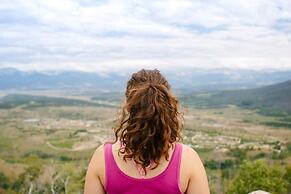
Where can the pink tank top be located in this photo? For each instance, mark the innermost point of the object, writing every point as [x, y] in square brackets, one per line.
[117, 182]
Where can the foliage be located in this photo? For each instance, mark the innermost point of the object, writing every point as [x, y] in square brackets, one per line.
[287, 177]
[4, 182]
[258, 176]
[26, 180]
[279, 155]
[246, 103]
[276, 124]
[213, 164]
[238, 153]
[259, 155]
[275, 112]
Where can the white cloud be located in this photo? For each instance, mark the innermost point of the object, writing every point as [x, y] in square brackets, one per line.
[119, 34]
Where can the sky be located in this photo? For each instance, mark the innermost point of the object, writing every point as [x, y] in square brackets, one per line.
[115, 35]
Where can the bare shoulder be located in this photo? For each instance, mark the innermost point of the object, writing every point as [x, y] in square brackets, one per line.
[190, 154]
[99, 152]
[192, 160]
[98, 159]
[198, 182]
[93, 182]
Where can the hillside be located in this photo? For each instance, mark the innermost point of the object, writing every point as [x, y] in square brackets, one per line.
[275, 97]
[29, 101]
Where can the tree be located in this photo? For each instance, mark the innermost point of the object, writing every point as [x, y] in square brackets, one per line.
[4, 182]
[26, 182]
[287, 177]
[59, 183]
[258, 176]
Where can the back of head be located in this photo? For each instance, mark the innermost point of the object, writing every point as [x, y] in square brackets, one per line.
[150, 121]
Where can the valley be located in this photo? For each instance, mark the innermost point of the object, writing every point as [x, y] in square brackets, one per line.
[57, 136]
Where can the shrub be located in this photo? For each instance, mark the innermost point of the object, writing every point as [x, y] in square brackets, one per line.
[258, 176]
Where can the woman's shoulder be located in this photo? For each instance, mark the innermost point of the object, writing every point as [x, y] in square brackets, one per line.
[190, 157]
[98, 158]
[99, 150]
[194, 171]
[189, 151]
[99, 153]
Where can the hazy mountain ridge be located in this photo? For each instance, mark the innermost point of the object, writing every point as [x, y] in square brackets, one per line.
[187, 80]
[14, 79]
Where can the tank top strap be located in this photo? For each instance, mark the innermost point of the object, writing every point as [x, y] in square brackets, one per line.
[110, 165]
[175, 162]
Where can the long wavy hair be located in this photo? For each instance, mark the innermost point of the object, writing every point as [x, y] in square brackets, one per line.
[150, 121]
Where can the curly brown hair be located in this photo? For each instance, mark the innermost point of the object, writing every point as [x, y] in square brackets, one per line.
[150, 121]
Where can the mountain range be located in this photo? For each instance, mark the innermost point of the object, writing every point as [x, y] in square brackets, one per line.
[184, 79]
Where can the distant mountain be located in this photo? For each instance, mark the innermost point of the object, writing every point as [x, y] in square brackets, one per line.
[183, 80]
[14, 79]
[272, 97]
[197, 80]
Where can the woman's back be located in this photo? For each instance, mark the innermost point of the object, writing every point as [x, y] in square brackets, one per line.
[117, 172]
[192, 177]
[148, 129]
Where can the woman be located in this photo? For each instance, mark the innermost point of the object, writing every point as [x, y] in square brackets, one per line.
[146, 156]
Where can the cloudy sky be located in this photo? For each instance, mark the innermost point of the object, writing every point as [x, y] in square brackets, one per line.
[99, 35]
